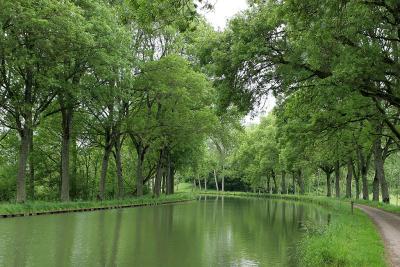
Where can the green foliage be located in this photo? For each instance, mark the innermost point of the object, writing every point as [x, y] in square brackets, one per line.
[84, 80]
[333, 68]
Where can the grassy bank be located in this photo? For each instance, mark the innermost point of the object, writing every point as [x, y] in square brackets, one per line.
[380, 205]
[348, 240]
[37, 207]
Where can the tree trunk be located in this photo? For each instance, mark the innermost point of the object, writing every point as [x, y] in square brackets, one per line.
[294, 182]
[357, 181]
[300, 181]
[168, 179]
[283, 184]
[268, 184]
[157, 182]
[223, 179]
[22, 162]
[275, 190]
[118, 163]
[364, 186]
[31, 168]
[328, 184]
[87, 171]
[104, 168]
[205, 182]
[74, 167]
[357, 175]
[170, 176]
[380, 171]
[375, 188]
[349, 177]
[163, 182]
[198, 179]
[364, 165]
[96, 167]
[26, 133]
[139, 171]
[216, 180]
[172, 179]
[337, 179]
[67, 114]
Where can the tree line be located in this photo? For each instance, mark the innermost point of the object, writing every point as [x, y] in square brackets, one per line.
[334, 69]
[83, 82]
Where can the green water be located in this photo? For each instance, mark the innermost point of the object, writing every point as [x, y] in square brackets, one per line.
[208, 232]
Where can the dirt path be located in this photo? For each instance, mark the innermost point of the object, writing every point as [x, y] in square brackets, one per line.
[389, 227]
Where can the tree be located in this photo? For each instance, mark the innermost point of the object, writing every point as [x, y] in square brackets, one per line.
[29, 56]
[174, 106]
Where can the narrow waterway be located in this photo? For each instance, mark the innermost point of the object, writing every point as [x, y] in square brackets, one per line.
[209, 232]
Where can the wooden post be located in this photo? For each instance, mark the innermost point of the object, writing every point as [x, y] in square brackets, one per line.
[352, 207]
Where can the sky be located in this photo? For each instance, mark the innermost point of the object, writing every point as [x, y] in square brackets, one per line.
[223, 11]
[218, 17]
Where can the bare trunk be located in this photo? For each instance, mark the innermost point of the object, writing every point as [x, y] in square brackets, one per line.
[357, 175]
[22, 162]
[294, 182]
[337, 179]
[300, 181]
[74, 170]
[96, 165]
[328, 184]
[170, 176]
[364, 165]
[375, 188]
[157, 182]
[31, 168]
[198, 179]
[349, 177]
[223, 179]
[66, 113]
[364, 186]
[216, 180]
[168, 180]
[139, 172]
[268, 184]
[104, 168]
[357, 187]
[118, 163]
[380, 171]
[163, 183]
[25, 133]
[87, 170]
[140, 152]
[283, 185]
[275, 190]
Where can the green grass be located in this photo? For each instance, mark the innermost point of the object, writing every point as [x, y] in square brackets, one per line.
[348, 240]
[41, 206]
[184, 187]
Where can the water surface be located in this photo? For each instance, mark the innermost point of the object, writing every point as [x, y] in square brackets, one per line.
[209, 232]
